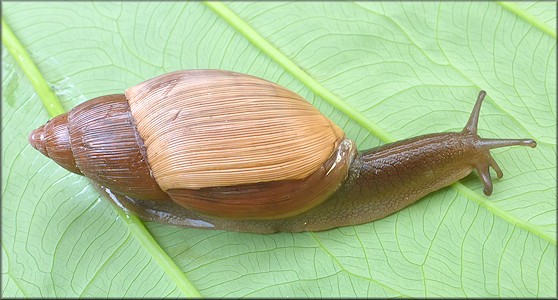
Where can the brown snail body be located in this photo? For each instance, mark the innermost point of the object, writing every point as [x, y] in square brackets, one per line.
[223, 150]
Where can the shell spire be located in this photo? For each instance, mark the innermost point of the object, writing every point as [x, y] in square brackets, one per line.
[53, 140]
[37, 140]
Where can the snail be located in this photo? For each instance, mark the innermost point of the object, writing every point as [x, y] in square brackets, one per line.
[222, 150]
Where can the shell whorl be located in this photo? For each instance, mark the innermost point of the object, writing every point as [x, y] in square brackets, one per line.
[209, 128]
[108, 149]
[237, 146]
[53, 140]
[97, 139]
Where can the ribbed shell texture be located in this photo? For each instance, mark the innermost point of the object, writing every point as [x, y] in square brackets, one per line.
[208, 128]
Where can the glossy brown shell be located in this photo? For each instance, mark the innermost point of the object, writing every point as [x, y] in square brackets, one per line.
[221, 143]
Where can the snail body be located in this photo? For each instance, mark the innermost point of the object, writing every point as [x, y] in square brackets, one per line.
[224, 150]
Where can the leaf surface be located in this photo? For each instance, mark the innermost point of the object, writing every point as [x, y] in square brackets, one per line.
[382, 71]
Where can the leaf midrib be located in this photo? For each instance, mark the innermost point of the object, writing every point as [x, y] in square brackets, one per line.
[290, 66]
[529, 18]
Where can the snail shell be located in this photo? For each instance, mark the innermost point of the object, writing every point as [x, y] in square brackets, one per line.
[223, 150]
[217, 142]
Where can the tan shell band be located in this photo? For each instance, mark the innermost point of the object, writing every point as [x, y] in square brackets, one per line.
[207, 128]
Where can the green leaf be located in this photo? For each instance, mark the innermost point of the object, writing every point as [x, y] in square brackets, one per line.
[382, 71]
